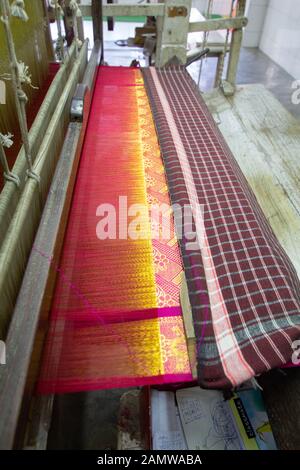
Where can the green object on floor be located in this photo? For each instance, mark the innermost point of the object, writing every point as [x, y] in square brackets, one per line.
[123, 19]
[213, 16]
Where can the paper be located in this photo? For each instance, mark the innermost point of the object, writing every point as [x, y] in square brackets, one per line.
[207, 420]
[167, 433]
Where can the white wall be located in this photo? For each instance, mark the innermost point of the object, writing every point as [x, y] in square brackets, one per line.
[280, 38]
[222, 7]
[87, 2]
[256, 12]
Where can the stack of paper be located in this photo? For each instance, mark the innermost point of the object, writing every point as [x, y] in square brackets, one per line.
[167, 433]
[204, 420]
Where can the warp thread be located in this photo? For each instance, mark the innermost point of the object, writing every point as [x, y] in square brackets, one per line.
[17, 10]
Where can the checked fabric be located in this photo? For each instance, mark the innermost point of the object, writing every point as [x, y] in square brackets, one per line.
[244, 291]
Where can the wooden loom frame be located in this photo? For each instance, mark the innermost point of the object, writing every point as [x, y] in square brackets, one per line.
[48, 132]
[27, 321]
[173, 27]
[25, 420]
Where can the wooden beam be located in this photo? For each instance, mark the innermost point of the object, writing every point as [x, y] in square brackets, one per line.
[110, 19]
[234, 54]
[32, 308]
[228, 85]
[35, 294]
[172, 32]
[91, 70]
[96, 12]
[127, 10]
[216, 24]
[40, 422]
[189, 329]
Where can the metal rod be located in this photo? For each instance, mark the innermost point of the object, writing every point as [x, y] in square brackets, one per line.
[216, 24]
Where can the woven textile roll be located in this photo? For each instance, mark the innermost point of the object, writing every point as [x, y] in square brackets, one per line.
[116, 319]
[244, 291]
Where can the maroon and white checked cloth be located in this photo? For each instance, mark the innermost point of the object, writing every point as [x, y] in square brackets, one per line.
[244, 291]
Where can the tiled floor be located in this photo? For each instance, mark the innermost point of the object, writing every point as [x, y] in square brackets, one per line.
[254, 67]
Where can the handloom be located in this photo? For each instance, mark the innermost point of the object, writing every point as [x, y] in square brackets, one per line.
[243, 289]
[115, 317]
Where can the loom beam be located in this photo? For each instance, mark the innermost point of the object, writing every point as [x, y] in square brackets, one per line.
[173, 26]
[35, 298]
[33, 303]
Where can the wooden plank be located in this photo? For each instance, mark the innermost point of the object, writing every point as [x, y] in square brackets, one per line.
[189, 329]
[96, 12]
[34, 299]
[272, 128]
[91, 70]
[172, 32]
[265, 140]
[33, 295]
[234, 54]
[134, 10]
[216, 24]
[110, 19]
[127, 10]
[39, 422]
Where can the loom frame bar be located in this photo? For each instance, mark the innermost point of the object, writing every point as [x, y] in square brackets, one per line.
[34, 300]
[172, 32]
[25, 320]
[217, 24]
[173, 28]
[97, 17]
[127, 10]
[229, 85]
